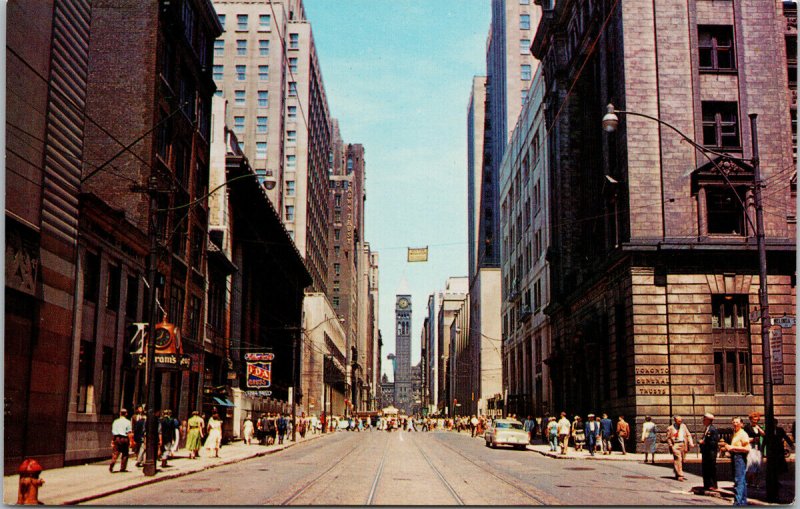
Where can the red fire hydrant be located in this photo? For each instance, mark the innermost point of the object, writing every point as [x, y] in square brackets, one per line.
[29, 483]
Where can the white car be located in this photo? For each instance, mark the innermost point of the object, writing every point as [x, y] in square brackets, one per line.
[507, 432]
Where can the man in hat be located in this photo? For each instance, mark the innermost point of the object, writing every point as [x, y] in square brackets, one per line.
[592, 433]
[709, 444]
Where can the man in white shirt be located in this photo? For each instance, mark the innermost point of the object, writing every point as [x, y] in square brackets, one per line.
[680, 441]
[122, 433]
[564, 428]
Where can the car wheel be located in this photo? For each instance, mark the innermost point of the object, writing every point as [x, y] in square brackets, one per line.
[487, 443]
[494, 445]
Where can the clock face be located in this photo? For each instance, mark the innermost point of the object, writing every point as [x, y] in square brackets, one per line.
[403, 303]
[162, 338]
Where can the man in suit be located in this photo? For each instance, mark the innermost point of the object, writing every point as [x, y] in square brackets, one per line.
[709, 444]
[592, 432]
[605, 433]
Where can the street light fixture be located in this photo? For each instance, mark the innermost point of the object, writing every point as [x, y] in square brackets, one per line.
[610, 123]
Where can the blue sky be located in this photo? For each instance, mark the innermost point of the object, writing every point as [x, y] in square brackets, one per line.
[398, 75]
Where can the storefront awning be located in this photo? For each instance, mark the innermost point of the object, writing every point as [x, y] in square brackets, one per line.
[223, 401]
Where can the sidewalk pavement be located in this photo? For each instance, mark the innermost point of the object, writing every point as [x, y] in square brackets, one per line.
[81, 483]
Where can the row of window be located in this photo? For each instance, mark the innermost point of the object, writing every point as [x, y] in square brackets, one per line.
[243, 22]
[241, 48]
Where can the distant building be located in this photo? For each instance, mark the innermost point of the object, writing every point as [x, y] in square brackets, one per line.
[402, 375]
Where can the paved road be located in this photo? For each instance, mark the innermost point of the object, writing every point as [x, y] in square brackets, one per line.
[400, 468]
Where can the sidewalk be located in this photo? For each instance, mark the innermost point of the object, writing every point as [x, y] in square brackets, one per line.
[80, 483]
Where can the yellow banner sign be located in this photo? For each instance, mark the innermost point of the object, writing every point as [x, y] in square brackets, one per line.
[418, 254]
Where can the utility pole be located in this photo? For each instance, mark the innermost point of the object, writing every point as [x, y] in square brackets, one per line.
[763, 303]
[152, 270]
[295, 366]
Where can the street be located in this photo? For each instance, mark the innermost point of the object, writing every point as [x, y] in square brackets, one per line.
[401, 468]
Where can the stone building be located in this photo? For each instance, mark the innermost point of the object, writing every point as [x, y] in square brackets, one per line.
[524, 227]
[450, 300]
[653, 263]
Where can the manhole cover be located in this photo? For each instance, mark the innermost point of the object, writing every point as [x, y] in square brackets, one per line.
[637, 476]
[199, 490]
[579, 468]
[401, 478]
[263, 470]
[562, 486]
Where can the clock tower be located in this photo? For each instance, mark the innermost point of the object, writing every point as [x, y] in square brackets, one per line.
[403, 394]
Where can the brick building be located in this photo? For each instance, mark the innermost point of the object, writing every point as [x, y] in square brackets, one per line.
[654, 270]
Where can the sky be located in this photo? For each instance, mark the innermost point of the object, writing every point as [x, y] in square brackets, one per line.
[398, 75]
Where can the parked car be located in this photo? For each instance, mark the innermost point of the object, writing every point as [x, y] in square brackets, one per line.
[506, 432]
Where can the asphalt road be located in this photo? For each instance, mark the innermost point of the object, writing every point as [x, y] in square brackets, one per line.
[400, 468]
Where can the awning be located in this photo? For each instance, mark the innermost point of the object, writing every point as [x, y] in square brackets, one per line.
[223, 401]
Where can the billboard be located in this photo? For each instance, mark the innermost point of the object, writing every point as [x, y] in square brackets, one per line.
[258, 370]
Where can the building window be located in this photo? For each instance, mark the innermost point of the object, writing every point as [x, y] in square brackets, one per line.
[337, 269]
[132, 298]
[524, 46]
[292, 89]
[732, 361]
[525, 72]
[238, 124]
[725, 215]
[293, 65]
[195, 316]
[239, 97]
[241, 72]
[217, 72]
[221, 18]
[525, 21]
[241, 22]
[291, 161]
[263, 48]
[219, 48]
[337, 234]
[113, 287]
[241, 47]
[336, 286]
[336, 301]
[337, 251]
[294, 41]
[261, 149]
[537, 295]
[292, 112]
[263, 99]
[261, 124]
[715, 47]
[85, 377]
[291, 136]
[264, 22]
[263, 72]
[91, 277]
[721, 124]
[337, 200]
[290, 188]
[523, 95]
[176, 297]
[290, 212]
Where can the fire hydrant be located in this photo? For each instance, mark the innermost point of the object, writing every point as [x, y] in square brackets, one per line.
[29, 483]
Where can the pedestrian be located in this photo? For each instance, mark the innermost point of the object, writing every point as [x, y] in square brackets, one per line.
[680, 441]
[177, 441]
[776, 450]
[261, 429]
[623, 432]
[121, 436]
[755, 455]
[247, 430]
[214, 435]
[283, 426]
[302, 425]
[592, 432]
[563, 432]
[552, 433]
[578, 433]
[709, 443]
[649, 435]
[272, 429]
[194, 434]
[738, 449]
[526, 425]
[606, 433]
[167, 433]
[139, 423]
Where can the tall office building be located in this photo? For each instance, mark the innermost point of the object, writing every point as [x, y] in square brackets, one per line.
[402, 372]
[266, 65]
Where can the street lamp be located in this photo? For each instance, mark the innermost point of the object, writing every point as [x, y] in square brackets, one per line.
[610, 123]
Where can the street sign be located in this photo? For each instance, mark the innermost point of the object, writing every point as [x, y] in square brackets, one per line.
[776, 354]
[784, 321]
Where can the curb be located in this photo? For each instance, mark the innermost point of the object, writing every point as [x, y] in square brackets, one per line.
[175, 475]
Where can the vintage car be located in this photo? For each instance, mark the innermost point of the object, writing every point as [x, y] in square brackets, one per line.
[506, 432]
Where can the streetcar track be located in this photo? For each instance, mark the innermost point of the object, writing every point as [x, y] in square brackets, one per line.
[372, 491]
[502, 478]
[439, 474]
[314, 480]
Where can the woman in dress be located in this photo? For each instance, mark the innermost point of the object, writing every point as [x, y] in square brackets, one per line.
[649, 439]
[247, 430]
[194, 437]
[214, 434]
[578, 434]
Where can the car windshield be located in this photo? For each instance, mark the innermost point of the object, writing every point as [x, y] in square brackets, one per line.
[509, 425]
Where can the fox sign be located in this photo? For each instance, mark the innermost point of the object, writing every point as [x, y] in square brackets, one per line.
[259, 370]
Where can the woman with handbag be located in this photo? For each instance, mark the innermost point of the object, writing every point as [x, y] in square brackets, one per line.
[578, 433]
[649, 439]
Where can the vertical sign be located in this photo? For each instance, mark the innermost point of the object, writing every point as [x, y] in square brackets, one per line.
[259, 370]
[776, 353]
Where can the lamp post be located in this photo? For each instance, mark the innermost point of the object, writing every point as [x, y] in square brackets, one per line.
[610, 123]
[151, 443]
